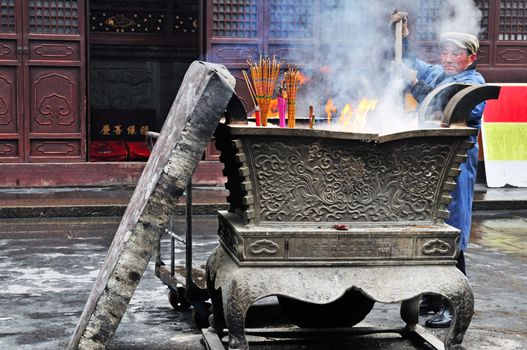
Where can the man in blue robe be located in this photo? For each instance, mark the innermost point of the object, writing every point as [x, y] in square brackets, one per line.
[458, 55]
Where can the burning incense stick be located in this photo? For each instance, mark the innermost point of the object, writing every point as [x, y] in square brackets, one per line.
[281, 98]
[264, 75]
[311, 117]
[291, 80]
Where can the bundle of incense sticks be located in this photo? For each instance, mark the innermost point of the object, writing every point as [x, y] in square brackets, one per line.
[291, 80]
[253, 96]
[264, 75]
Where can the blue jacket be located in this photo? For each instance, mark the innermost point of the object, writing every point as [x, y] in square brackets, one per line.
[460, 207]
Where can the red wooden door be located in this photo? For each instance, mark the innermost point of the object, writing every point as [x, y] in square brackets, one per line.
[50, 70]
[11, 53]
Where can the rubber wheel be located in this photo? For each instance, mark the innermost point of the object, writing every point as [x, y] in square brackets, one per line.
[176, 298]
[347, 311]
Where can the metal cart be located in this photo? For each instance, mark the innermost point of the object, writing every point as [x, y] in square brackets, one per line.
[184, 292]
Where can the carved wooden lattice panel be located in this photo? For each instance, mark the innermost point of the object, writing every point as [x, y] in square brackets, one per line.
[484, 7]
[7, 16]
[54, 16]
[291, 18]
[513, 20]
[427, 16]
[235, 18]
[429, 12]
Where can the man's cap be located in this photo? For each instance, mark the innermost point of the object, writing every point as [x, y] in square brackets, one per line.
[463, 40]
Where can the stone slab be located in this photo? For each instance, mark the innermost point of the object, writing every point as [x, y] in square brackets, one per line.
[197, 109]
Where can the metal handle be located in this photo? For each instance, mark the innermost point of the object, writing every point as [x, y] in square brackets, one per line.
[22, 50]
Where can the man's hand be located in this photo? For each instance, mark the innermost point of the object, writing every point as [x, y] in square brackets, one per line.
[400, 17]
[408, 75]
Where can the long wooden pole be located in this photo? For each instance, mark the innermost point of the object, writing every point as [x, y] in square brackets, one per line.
[399, 42]
[399, 55]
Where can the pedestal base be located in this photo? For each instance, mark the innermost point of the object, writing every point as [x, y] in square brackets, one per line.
[233, 289]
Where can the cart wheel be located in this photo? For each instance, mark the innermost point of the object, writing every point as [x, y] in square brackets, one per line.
[177, 299]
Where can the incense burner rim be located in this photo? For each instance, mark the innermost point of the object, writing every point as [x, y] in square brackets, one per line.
[243, 130]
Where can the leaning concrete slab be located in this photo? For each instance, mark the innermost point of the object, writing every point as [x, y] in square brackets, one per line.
[195, 113]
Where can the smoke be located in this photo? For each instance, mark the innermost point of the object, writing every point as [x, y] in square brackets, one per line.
[463, 16]
[357, 46]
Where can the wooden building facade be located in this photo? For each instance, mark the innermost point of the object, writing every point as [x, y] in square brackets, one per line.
[75, 73]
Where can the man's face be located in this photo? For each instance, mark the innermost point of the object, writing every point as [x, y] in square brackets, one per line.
[455, 59]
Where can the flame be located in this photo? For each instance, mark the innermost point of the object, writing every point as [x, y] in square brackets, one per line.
[273, 108]
[356, 120]
[330, 109]
[346, 116]
[302, 79]
[410, 104]
[365, 106]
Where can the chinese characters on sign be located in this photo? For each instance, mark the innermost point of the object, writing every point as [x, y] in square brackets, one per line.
[119, 129]
[122, 124]
[119, 135]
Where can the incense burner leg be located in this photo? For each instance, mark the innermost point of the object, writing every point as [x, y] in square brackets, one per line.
[216, 319]
[236, 302]
[410, 312]
[462, 302]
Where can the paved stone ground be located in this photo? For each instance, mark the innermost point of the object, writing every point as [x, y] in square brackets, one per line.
[48, 267]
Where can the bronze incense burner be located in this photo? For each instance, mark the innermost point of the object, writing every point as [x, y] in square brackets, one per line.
[316, 214]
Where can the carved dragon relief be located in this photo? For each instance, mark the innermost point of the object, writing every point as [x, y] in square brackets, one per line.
[325, 181]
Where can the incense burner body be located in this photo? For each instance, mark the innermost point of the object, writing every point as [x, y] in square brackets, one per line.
[308, 197]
